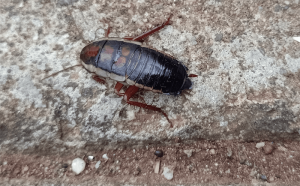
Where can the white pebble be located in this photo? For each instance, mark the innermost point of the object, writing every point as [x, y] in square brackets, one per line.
[105, 156]
[212, 151]
[97, 164]
[188, 152]
[25, 169]
[5, 163]
[260, 145]
[297, 38]
[78, 165]
[91, 158]
[168, 173]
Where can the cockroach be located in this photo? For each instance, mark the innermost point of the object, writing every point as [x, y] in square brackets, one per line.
[129, 62]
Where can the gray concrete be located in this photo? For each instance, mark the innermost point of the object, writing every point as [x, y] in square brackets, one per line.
[243, 51]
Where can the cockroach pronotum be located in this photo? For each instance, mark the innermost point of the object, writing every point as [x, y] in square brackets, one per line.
[129, 62]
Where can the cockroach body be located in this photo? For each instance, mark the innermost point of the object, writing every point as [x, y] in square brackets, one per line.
[131, 63]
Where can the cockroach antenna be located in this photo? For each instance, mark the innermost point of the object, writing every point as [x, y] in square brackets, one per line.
[62, 71]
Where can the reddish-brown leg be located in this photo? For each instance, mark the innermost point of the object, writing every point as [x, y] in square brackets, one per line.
[118, 88]
[148, 33]
[107, 31]
[193, 75]
[98, 79]
[131, 91]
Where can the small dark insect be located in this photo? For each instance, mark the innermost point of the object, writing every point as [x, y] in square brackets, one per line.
[159, 153]
[129, 62]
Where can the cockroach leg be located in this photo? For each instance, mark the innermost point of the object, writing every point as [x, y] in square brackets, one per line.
[98, 79]
[107, 31]
[131, 91]
[118, 88]
[148, 33]
[193, 75]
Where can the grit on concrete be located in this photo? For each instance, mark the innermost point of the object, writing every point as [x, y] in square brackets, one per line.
[198, 163]
[243, 51]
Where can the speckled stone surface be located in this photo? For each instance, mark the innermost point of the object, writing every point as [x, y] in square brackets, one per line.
[243, 51]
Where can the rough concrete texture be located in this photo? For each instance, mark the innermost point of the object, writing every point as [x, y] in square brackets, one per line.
[243, 51]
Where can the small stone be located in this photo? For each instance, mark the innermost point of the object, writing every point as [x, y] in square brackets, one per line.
[277, 8]
[97, 164]
[159, 153]
[189, 153]
[243, 159]
[78, 165]
[90, 158]
[263, 177]
[281, 148]
[229, 152]
[209, 51]
[168, 173]
[296, 39]
[105, 156]
[25, 169]
[212, 151]
[156, 169]
[268, 149]
[272, 179]
[4, 163]
[260, 145]
[218, 37]
[283, 72]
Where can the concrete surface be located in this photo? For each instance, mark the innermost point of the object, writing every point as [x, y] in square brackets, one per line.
[243, 51]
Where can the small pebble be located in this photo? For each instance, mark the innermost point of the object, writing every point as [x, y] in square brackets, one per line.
[159, 153]
[296, 39]
[168, 173]
[218, 37]
[97, 164]
[156, 167]
[263, 177]
[105, 156]
[243, 159]
[189, 153]
[5, 163]
[229, 152]
[281, 148]
[212, 151]
[78, 165]
[25, 169]
[90, 158]
[260, 145]
[268, 149]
